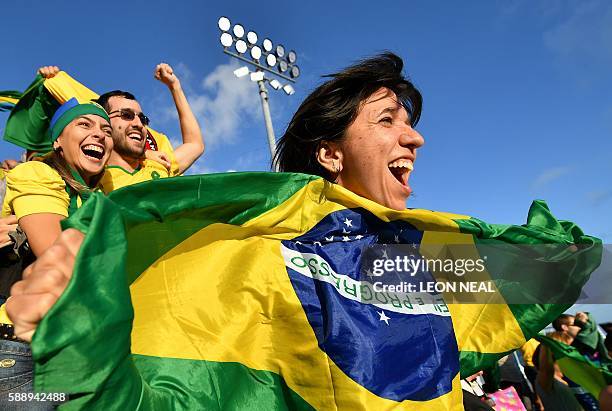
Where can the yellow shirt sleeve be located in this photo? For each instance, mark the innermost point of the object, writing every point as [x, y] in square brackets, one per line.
[34, 187]
[63, 87]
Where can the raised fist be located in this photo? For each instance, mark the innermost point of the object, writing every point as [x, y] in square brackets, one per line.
[48, 71]
[165, 74]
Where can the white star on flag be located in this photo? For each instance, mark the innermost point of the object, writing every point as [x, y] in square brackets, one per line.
[358, 237]
[298, 242]
[345, 238]
[317, 243]
[345, 231]
[329, 239]
[349, 223]
[396, 238]
[369, 273]
[384, 254]
[383, 317]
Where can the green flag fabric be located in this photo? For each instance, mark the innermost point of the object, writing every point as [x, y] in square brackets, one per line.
[589, 375]
[28, 123]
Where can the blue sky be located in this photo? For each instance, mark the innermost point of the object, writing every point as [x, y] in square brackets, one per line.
[517, 93]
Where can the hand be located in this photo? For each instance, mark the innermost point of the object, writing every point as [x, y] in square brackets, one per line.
[582, 317]
[43, 283]
[158, 156]
[7, 224]
[9, 164]
[474, 376]
[48, 71]
[165, 74]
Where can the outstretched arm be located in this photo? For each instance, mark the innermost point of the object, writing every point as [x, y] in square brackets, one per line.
[193, 142]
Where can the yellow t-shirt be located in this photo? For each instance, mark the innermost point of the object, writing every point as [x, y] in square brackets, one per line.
[528, 349]
[116, 177]
[32, 188]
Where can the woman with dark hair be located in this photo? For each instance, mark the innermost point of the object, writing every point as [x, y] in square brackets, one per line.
[357, 130]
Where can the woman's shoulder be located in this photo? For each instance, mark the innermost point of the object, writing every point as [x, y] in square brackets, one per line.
[37, 171]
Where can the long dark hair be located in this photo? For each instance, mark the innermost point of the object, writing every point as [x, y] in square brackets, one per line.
[331, 108]
[57, 161]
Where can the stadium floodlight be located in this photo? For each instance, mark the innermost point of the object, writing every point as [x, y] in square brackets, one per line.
[252, 37]
[267, 45]
[257, 76]
[241, 72]
[292, 57]
[275, 84]
[282, 66]
[287, 88]
[295, 72]
[256, 52]
[280, 50]
[226, 40]
[224, 24]
[271, 60]
[241, 46]
[238, 30]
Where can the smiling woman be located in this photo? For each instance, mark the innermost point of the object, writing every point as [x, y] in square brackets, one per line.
[357, 130]
[42, 193]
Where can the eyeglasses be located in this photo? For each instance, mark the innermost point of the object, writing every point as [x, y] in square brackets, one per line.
[129, 115]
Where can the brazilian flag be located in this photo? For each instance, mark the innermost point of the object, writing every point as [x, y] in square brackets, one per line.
[240, 291]
[8, 99]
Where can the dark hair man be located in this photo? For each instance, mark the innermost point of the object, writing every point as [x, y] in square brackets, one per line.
[137, 156]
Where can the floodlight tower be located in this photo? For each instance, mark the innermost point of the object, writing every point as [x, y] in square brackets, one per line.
[266, 59]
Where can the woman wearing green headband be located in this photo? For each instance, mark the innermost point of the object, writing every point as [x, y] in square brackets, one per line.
[42, 193]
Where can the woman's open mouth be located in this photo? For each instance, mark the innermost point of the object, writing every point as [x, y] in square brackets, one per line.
[400, 169]
[93, 152]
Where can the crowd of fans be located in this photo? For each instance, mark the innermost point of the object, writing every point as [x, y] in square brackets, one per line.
[534, 377]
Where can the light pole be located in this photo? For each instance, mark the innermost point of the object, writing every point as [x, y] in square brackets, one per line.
[277, 62]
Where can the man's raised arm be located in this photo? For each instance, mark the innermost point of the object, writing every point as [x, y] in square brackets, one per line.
[193, 142]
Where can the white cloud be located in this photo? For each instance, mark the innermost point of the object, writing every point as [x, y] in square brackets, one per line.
[222, 103]
[548, 176]
[598, 197]
[586, 32]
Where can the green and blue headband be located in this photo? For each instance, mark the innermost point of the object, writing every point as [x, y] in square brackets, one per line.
[70, 110]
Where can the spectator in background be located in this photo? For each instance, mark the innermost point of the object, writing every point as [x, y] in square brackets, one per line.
[528, 351]
[550, 385]
[584, 333]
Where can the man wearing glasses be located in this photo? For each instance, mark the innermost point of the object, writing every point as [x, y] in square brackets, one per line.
[127, 164]
[138, 156]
